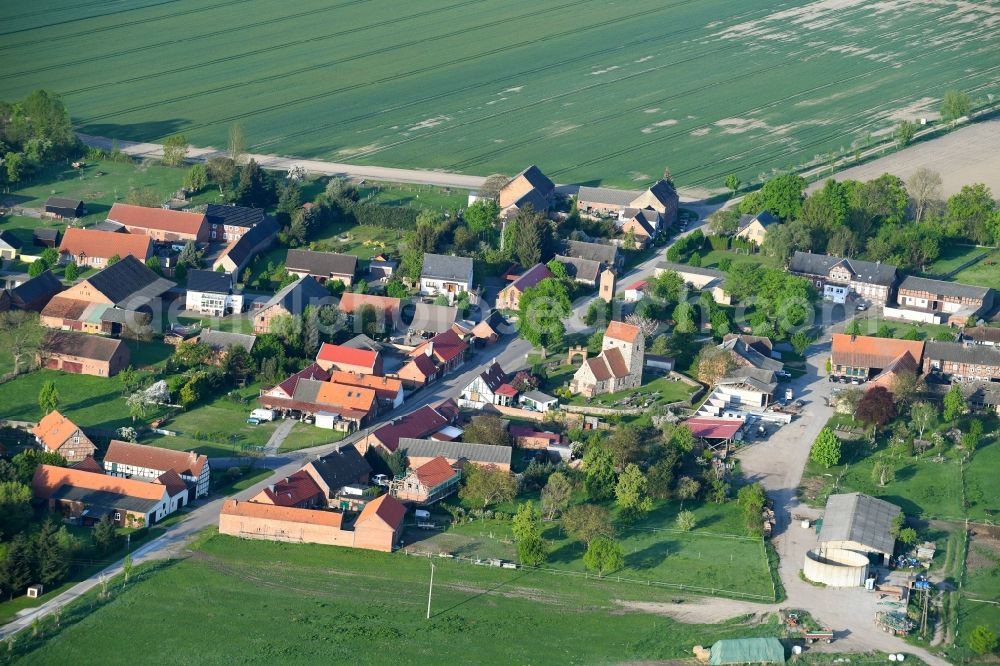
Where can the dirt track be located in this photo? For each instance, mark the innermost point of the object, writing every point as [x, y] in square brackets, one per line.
[966, 156]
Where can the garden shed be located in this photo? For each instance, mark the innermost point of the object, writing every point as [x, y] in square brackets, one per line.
[767, 650]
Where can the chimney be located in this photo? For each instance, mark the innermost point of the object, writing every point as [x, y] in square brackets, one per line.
[192, 456]
[430, 348]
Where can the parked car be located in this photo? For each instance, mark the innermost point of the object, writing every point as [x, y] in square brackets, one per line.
[380, 480]
[262, 415]
[783, 374]
[862, 306]
[253, 420]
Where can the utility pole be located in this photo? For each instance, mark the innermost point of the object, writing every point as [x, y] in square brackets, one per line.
[430, 592]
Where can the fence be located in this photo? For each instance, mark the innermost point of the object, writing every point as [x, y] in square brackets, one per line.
[680, 587]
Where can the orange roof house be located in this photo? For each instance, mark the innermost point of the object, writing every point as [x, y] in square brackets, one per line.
[346, 397]
[430, 482]
[90, 247]
[388, 306]
[380, 524]
[388, 390]
[377, 528]
[89, 496]
[863, 357]
[349, 359]
[161, 224]
[57, 434]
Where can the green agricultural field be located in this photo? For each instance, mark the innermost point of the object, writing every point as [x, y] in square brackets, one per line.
[303, 603]
[594, 91]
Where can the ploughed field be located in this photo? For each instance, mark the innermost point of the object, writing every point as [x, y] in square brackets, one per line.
[592, 90]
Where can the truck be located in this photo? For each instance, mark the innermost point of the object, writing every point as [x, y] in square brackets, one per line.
[262, 415]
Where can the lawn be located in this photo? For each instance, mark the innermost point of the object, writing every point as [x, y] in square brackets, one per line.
[304, 436]
[871, 325]
[711, 258]
[441, 199]
[88, 401]
[985, 273]
[714, 555]
[981, 584]
[656, 391]
[951, 257]
[711, 87]
[925, 486]
[99, 184]
[305, 603]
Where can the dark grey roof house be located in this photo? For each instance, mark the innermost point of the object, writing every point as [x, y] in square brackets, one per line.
[129, 283]
[258, 239]
[212, 282]
[220, 341]
[234, 216]
[65, 207]
[322, 265]
[858, 522]
[821, 265]
[446, 267]
[605, 254]
[35, 293]
[483, 454]
[342, 467]
[581, 270]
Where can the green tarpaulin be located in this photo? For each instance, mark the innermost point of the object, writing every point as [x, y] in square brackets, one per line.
[748, 651]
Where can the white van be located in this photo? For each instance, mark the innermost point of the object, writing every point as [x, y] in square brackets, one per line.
[262, 415]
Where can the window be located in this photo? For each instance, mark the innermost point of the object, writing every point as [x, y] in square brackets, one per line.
[118, 515]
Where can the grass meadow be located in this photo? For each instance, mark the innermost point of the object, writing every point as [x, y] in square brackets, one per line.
[261, 602]
[594, 91]
[715, 555]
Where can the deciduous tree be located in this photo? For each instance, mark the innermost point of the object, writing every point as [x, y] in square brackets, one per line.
[485, 429]
[924, 188]
[543, 310]
[631, 493]
[954, 403]
[586, 522]
[876, 408]
[175, 149]
[556, 494]
[954, 105]
[527, 529]
[48, 397]
[685, 521]
[603, 555]
[826, 449]
[922, 416]
[21, 335]
[487, 485]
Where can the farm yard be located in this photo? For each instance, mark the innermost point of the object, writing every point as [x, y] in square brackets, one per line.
[339, 605]
[598, 91]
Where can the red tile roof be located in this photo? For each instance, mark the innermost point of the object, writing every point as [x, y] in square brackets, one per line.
[288, 514]
[161, 219]
[350, 301]
[385, 388]
[53, 430]
[105, 244]
[185, 463]
[507, 390]
[290, 491]
[49, 479]
[524, 431]
[434, 472]
[386, 508]
[640, 284]
[710, 428]
[417, 424]
[424, 364]
[446, 346]
[175, 484]
[314, 371]
[862, 351]
[622, 331]
[531, 277]
[88, 464]
[347, 355]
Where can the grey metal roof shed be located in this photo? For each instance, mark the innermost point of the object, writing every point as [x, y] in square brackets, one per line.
[859, 522]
